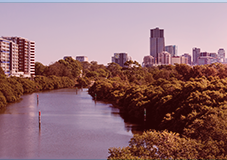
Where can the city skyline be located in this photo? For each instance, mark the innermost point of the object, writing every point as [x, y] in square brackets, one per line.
[98, 30]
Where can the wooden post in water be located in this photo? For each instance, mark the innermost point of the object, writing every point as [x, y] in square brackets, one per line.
[37, 98]
[39, 118]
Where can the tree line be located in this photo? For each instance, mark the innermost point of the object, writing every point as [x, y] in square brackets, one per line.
[12, 88]
[61, 74]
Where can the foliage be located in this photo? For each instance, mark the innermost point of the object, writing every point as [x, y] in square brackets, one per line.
[1, 71]
[63, 68]
[165, 145]
[83, 82]
[39, 68]
[189, 101]
[12, 88]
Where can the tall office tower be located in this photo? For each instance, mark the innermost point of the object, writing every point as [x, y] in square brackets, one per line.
[195, 54]
[172, 49]
[189, 57]
[221, 55]
[26, 54]
[5, 55]
[121, 58]
[157, 42]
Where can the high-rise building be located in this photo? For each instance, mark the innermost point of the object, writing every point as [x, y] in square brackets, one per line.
[26, 55]
[221, 55]
[5, 55]
[172, 49]
[13, 58]
[195, 54]
[157, 42]
[121, 58]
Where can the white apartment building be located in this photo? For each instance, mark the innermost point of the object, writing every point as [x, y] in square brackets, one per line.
[22, 54]
[5, 55]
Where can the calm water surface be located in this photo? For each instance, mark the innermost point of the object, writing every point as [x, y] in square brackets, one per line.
[72, 126]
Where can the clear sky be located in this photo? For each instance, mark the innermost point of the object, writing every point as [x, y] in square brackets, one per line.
[98, 30]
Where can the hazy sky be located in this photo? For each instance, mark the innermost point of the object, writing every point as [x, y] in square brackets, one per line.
[98, 30]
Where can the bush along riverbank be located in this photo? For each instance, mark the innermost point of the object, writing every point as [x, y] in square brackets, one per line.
[12, 88]
[182, 107]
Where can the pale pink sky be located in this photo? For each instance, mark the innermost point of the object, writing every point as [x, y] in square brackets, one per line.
[98, 30]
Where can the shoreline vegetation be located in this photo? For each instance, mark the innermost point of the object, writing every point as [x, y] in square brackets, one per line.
[186, 110]
[186, 107]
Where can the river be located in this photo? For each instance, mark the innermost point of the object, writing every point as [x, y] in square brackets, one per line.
[73, 126]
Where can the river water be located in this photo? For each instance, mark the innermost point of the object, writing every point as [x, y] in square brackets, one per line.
[73, 126]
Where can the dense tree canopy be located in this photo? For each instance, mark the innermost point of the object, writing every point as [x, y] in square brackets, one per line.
[189, 101]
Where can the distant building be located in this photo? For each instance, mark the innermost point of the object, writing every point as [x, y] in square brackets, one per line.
[204, 58]
[26, 55]
[189, 58]
[176, 59]
[121, 58]
[148, 61]
[184, 60]
[5, 55]
[221, 55]
[195, 54]
[68, 57]
[157, 42]
[214, 58]
[82, 58]
[164, 58]
[172, 49]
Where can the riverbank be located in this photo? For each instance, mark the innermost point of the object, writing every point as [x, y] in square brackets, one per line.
[170, 104]
[12, 88]
[195, 109]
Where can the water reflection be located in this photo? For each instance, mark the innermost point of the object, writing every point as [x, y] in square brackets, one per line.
[72, 126]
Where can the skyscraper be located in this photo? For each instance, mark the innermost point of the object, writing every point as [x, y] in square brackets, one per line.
[195, 54]
[221, 55]
[157, 42]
